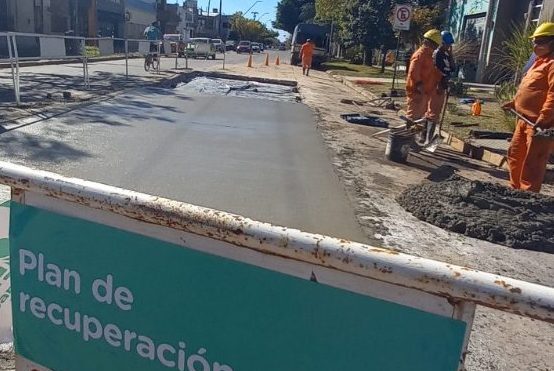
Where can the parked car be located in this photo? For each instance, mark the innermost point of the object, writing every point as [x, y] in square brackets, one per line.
[244, 47]
[262, 47]
[176, 44]
[219, 46]
[201, 47]
[282, 47]
[256, 48]
[230, 45]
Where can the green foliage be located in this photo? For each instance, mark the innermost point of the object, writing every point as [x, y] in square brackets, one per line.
[292, 12]
[367, 23]
[457, 88]
[243, 28]
[505, 92]
[510, 59]
[92, 51]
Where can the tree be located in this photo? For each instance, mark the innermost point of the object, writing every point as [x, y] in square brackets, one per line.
[367, 24]
[243, 28]
[292, 12]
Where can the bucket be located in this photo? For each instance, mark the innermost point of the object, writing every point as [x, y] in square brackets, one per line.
[398, 145]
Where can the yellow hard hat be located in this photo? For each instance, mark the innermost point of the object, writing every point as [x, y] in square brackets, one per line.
[545, 29]
[434, 36]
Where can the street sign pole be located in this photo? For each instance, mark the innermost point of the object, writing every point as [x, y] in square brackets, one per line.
[393, 89]
[402, 18]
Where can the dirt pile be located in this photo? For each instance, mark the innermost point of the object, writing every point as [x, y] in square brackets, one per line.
[487, 211]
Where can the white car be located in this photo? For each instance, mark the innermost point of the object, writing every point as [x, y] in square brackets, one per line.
[201, 47]
[256, 48]
[219, 45]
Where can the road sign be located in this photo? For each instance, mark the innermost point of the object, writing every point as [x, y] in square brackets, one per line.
[92, 297]
[402, 17]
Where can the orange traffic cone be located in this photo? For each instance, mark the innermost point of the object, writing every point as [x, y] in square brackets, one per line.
[277, 61]
[476, 108]
[249, 61]
[266, 63]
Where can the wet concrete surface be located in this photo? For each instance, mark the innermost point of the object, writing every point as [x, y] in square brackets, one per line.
[259, 158]
[236, 88]
[487, 211]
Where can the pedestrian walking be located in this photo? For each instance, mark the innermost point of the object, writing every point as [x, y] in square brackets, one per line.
[534, 100]
[306, 54]
[422, 83]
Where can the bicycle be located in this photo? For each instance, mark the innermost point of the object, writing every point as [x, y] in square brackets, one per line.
[151, 61]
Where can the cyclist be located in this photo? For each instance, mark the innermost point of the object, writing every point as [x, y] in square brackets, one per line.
[153, 34]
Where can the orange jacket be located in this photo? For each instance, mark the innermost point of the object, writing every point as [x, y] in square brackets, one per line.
[307, 50]
[535, 96]
[423, 71]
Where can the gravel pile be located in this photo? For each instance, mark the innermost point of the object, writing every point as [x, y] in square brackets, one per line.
[487, 211]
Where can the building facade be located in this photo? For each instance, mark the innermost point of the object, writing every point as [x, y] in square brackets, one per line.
[90, 18]
[139, 14]
[488, 23]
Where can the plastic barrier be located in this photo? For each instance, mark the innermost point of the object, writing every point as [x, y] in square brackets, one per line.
[106, 278]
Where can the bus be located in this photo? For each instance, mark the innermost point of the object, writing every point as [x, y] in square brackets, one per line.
[319, 34]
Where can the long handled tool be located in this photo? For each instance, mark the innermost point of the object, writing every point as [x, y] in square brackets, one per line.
[539, 133]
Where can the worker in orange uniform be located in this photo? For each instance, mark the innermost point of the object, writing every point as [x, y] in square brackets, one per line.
[307, 53]
[422, 84]
[528, 156]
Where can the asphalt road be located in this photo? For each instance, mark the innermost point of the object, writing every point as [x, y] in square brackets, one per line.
[258, 158]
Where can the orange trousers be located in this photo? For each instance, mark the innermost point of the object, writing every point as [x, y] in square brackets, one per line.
[425, 105]
[307, 61]
[527, 158]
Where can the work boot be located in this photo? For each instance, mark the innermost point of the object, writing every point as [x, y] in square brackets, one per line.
[308, 73]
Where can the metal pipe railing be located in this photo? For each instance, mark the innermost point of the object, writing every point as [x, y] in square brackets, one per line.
[457, 284]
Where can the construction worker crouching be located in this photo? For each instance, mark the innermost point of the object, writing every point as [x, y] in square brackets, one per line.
[423, 82]
[534, 100]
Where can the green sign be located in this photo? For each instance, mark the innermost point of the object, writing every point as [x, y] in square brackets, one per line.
[88, 296]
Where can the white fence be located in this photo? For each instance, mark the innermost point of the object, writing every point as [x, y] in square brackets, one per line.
[18, 47]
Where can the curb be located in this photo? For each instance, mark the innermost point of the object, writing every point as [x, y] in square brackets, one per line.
[361, 91]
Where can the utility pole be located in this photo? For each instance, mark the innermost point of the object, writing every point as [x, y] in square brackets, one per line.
[255, 14]
[209, 1]
[220, 19]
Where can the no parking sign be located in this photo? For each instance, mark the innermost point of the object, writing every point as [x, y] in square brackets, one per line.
[402, 17]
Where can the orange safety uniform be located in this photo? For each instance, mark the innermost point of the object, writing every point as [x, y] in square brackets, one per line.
[424, 72]
[307, 53]
[528, 156]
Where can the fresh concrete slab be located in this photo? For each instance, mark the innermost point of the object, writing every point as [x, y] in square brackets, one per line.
[258, 158]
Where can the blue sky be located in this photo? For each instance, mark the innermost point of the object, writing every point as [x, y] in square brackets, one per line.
[232, 6]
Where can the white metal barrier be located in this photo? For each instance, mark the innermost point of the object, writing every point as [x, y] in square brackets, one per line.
[438, 289]
[57, 47]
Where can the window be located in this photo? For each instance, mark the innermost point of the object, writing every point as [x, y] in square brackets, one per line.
[536, 10]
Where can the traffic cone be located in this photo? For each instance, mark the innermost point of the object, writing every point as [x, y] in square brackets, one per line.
[266, 63]
[277, 61]
[249, 61]
[476, 108]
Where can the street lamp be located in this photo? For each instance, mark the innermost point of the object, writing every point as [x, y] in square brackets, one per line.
[245, 13]
[263, 15]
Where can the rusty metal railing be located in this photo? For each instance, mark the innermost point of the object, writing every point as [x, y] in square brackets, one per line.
[457, 284]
